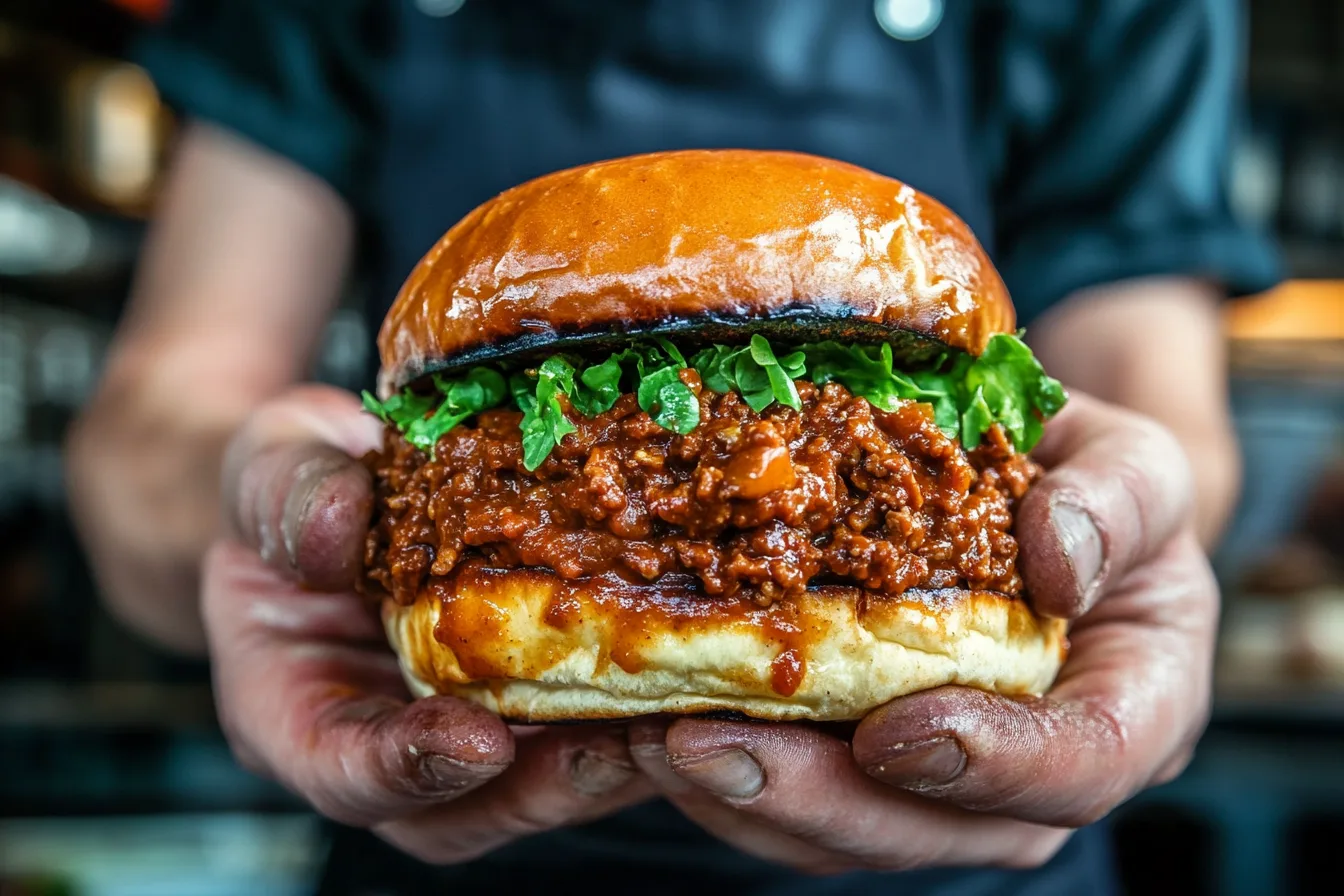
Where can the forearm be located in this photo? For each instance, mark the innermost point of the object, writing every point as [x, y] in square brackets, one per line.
[240, 271]
[1156, 347]
[143, 465]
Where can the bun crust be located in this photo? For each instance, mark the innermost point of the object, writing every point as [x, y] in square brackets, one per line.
[535, 648]
[696, 238]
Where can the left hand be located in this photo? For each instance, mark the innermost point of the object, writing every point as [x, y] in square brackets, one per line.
[959, 777]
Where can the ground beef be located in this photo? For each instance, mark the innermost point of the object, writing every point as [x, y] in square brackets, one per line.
[754, 506]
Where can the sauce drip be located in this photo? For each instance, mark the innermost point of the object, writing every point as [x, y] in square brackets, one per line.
[787, 672]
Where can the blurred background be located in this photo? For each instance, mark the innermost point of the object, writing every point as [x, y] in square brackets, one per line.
[114, 777]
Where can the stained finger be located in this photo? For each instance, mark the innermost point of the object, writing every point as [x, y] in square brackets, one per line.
[1125, 714]
[329, 718]
[560, 778]
[1117, 490]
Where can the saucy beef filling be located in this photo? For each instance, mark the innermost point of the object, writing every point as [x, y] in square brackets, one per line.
[754, 506]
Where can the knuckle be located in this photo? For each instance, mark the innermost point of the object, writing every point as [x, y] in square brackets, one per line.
[1159, 462]
[830, 867]
[430, 853]
[240, 746]
[892, 862]
[896, 864]
[1090, 814]
[519, 818]
[1114, 740]
[437, 842]
[248, 759]
[328, 805]
[1172, 769]
[439, 849]
[1036, 853]
[327, 801]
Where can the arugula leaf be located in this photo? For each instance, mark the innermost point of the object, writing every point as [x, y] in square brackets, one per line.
[1005, 385]
[668, 400]
[678, 408]
[544, 422]
[866, 371]
[598, 387]
[1014, 389]
[660, 392]
[714, 366]
[942, 386]
[477, 390]
[374, 406]
[399, 409]
[976, 419]
[461, 397]
[672, 353]
[753, 372]
[523, 390]
[752, 382]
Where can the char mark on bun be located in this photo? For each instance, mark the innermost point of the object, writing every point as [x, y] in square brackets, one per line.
[706, 431]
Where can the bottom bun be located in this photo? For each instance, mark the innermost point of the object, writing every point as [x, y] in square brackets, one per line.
[536, 648]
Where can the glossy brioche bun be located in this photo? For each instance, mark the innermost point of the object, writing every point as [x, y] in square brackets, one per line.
[700, 240]
[534, 648]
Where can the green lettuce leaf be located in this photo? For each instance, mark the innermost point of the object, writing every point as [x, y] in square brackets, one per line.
[1005, 385]
[399, 409]
[598, 387]
[660, 392]
[479, 389]
[866, 370]
[753, 371]
[1014, 390]
[544, 422]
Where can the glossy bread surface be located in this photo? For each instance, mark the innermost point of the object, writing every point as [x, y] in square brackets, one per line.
[728, 235]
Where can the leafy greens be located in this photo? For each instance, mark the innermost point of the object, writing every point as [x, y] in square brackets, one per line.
[1004, 385]
[753, 372]
[479, 389]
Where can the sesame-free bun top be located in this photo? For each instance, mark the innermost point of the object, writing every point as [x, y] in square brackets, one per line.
[707, 242]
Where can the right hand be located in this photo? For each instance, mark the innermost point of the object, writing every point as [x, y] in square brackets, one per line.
[308, 691]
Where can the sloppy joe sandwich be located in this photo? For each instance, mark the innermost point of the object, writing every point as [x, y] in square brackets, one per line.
[706, 431]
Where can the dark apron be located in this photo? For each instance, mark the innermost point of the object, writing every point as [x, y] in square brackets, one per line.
[501, 92]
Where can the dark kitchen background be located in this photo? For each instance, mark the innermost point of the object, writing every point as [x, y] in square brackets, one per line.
[113, 776]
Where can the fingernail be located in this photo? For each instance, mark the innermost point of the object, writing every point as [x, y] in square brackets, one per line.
[1081, 543]
[922, 764]
[729, 773]
[594, 774]
[652, 758]
[447, 777]
[307, 478]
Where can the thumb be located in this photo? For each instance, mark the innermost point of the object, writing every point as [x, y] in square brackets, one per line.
[294, 489]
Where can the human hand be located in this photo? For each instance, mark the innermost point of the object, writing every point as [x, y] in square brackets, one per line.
[956, 776]
[310, 695]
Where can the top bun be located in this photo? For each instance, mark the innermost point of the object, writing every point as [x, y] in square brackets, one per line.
[705, 241]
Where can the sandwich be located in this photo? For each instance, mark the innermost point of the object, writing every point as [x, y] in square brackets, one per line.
[706, 432]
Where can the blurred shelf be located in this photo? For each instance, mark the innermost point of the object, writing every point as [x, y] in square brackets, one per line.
[1308, 310]
[32, 472]
[1280, 704]
[1295, 329]
[118, 770]
[172, 855]
[1313, 258]
[1317, 365]
[109, 706]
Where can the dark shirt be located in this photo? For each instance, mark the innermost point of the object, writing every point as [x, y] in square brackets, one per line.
[1083, 142]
